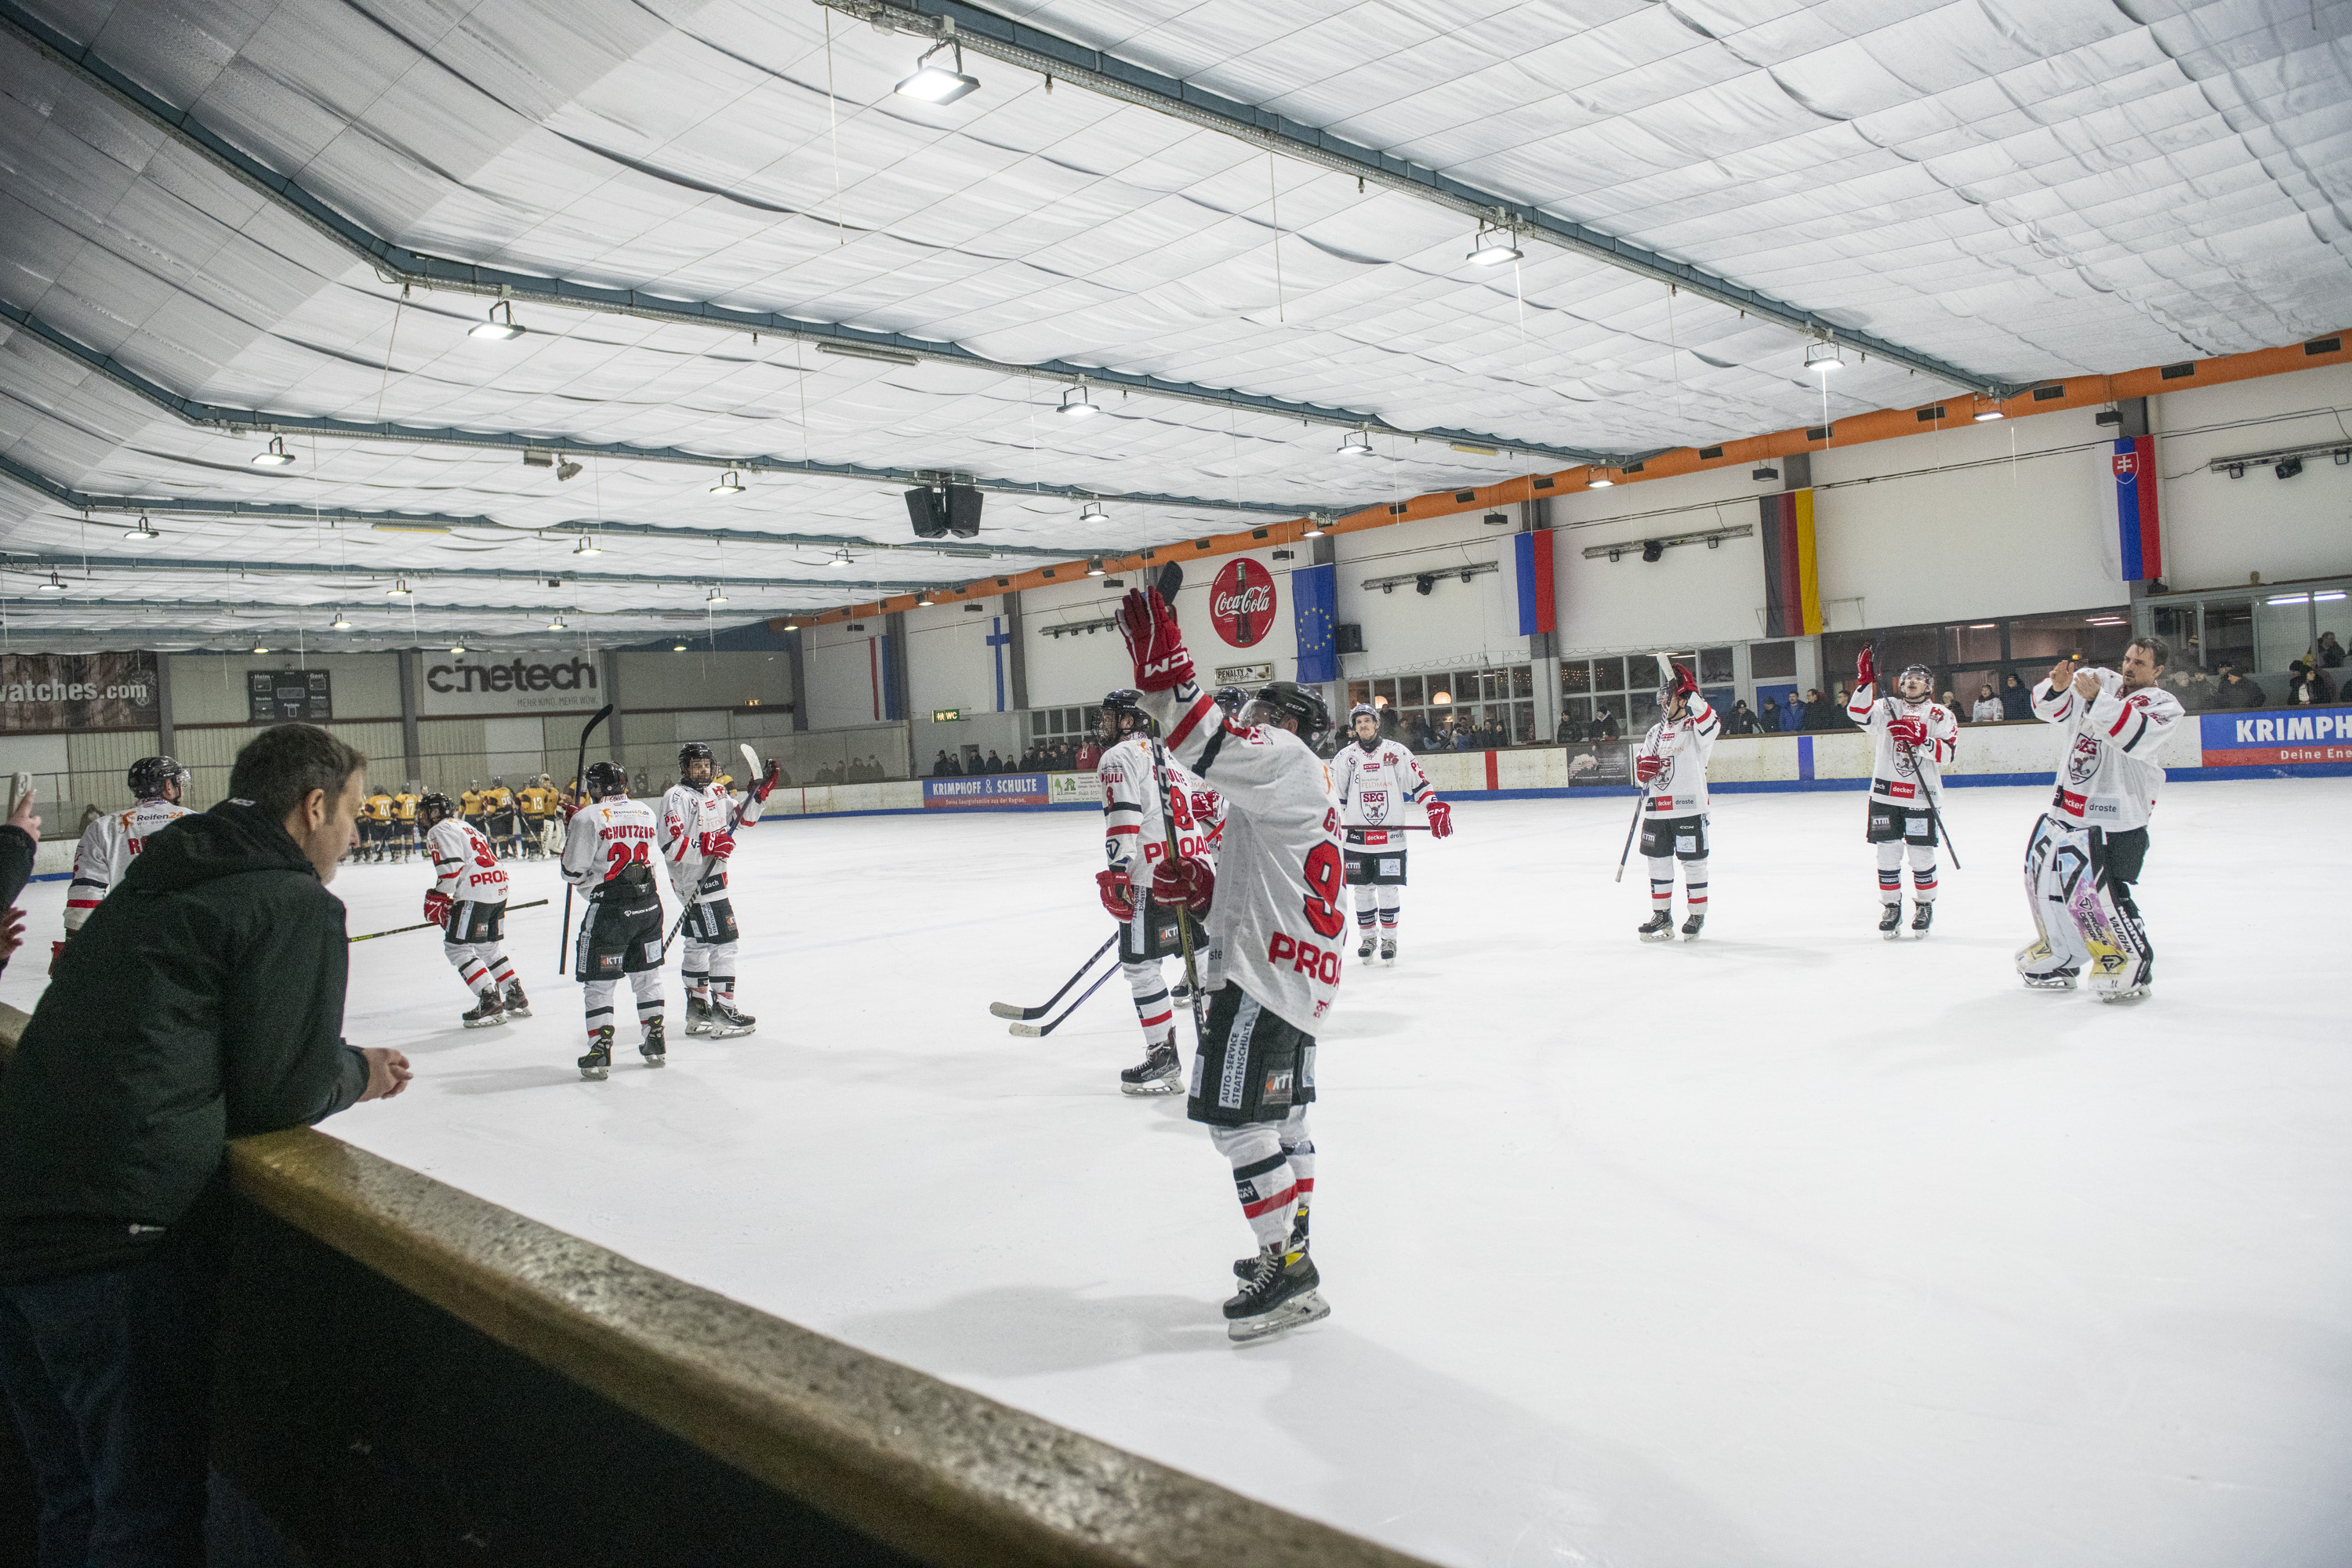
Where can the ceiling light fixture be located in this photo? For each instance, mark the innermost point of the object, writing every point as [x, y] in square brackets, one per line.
[1355, 443]
[729, 485]
[555, 622]
[1493, 245]
[258, 647]
[1095, 567]
[144, 530]
[566, 469]
[341, 623]
[1987, 412]
[923, 600]
[458, 647]
[840, 561]
[717, 595]
[678, 646]
[587, 546]
[1315, 527]
[56, 585]
[1823, 357]
[937, 84]
[1601, 480]
[1093, 512]
[1077, 404]
[500, 327]
[273, 455]
[791, 624]
[399, 589]
[1767, 472]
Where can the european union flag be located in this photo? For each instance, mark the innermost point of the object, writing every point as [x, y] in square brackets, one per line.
[1314, 591]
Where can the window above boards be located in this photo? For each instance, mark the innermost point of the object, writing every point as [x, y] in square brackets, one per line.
[1453, 710]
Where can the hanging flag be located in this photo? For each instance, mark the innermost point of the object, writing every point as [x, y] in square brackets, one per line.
[1792, 588]
[1313, 591]
[1533, 558]
[2143, 546]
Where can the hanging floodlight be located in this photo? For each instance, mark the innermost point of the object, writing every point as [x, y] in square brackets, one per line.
[500, 327]
[1493, 247]
[341, 623]
[1093, 512]
[587, 546]
[273, 455]
[555, 622]
[565, 468]
[717, 595]
[1077, 404]
[1355, 443]
[840, 561]
[258, 647]
[937, 84]
[143, 532]
[1314, 530]
[1823, 357]
[399, 589]
[1987, 410]
[923, 600]
[56, 585]
[729, 485]
[791, 623]
[678, 646]
[458, 647]
[1095, 567]
[1601, 480]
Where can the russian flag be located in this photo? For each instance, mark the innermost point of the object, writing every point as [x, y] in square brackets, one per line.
[2143, 545]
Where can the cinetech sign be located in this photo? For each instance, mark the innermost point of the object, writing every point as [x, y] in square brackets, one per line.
[517, 686]
[2275, 739]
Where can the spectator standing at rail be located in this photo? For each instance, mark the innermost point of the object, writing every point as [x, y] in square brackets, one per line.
[2237, 691]
[1988, 710]
[2306, 685]
[2016, 698]
[2330, 651]
[1739, 720]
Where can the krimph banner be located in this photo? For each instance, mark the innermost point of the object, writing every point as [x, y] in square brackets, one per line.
[2274, 740]
[51, 691]
[986, 789]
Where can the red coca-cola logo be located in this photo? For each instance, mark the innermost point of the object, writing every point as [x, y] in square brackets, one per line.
[1241, 603]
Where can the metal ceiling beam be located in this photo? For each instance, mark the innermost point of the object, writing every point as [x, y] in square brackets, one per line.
[397, 264]
[254, 421]
[365, 576]
[1032, 48]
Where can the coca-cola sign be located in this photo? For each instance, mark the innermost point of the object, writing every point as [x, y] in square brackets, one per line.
[1241, 603]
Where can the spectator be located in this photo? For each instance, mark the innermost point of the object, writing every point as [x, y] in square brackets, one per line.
[2330, 651]
[1821, 713]
[1089, 755]
[2306, 684]
[1792, 710]
[203, 1001]
[19, 838]
[874, 772]
[1951, 704]
[1739, 720]
[2193, 687]
[943, 768]
[2016, 698]
[1602, 728]
[1988, 708]
[1768, 718]
[995, 763]
[2237, 691]
[89, 814]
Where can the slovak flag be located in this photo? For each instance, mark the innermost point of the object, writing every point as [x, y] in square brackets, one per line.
[2143, 545]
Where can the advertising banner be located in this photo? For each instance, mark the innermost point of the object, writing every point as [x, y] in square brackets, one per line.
[1242, 602]
[2269, 740]
[1074, 789]
[525, 683]
[74, 691]
[987, 789]
[289, 696]
[1600, 762]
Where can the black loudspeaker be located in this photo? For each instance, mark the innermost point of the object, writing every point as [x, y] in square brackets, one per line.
[927, 510]
[963, 511]
[1348, 637]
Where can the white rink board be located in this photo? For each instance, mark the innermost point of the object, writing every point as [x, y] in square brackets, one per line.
[1788, 1246]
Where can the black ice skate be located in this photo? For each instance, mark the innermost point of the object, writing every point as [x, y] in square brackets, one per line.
[653, 1048]
[1890, 920]
[486, 1012]
[1180, 991]
[1388, 950]
[1922, 917]
[1282, 1291]
[1364, 948]
[598, 1062]
[1693, 926]
[698, 1015]
[1659, 927]
[726, 1023]
[518, 1006]
[1244, 1267]
[1160, 1072]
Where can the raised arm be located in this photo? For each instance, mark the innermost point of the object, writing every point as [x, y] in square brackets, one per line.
[2139, 723]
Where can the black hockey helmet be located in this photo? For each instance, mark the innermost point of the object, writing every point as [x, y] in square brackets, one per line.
[605, 780]
[1233, 700]
[1926, 678]
[696, 752]
[1123, 714]
[1288, 700]
[150, 775]
[434, 807]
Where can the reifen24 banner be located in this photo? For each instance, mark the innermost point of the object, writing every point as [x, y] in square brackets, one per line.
[45, 692]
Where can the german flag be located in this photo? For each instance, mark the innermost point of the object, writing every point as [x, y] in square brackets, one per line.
[1792, 589]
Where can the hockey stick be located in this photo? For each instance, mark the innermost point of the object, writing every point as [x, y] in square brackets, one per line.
[734, 820]
[1933, 815]
[1009, 1010]
[1169, 583]
[1039, 1031]
[434, 925]
[1641, 799]
[579, 768]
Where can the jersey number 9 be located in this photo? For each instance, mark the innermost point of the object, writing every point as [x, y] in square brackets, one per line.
[1326, 883]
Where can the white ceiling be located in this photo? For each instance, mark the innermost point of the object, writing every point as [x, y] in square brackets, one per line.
[2025, 189]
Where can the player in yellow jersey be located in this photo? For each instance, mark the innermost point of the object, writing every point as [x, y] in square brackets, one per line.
[375, 826]
[498, 811]
[537, 803]
[470, 805]
[404, 819]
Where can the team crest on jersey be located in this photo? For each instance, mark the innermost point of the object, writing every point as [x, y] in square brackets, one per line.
[2082, 763]
[1666, 771]
[1376, 807]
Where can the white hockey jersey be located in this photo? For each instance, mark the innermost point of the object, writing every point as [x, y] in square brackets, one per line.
[605, 837]
[1281, 915]
[691, 819]
[2110, 775]
[464, 866]
[1135, 828]
[108, 847]
[1891, 777]
[1684, 745]
[1375, 784]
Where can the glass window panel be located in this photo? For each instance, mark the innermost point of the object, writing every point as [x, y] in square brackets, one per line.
[2230, 636]
[1719, 697]
[1608, 675]
[1772, 660]
[1441, 691]
[1576, 710]
[1523, 682]
[1611, 708]
[1523, 723]
[2334, 607]
[1972, 643]
[2038, 640]
[2282, 632]
[1642, 710]
[2177, 625]
[1465, 686]
[1714, 665]
[1358, 691]
[1409, 692]
[1641, 673]
[1575, 677]
[1384, 692]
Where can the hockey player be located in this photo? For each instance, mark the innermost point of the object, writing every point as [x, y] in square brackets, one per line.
[470, 804]
[2089, 847]
[1135, 841]
[375, 826]
[109, 844]
[498, 814]
[1377, 779]
[1915, 738]
[698, 835]
[609, 853]
[1277, 921]
[1671, 769]
[404, 819]
[535, 801]
[469, 901]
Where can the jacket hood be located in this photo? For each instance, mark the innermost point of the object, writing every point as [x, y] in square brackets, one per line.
[233, 838]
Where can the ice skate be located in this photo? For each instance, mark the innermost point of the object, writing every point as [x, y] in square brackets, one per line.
[1388, 950]
[517, 1004]
[486, 1012]
[1922, 917]
[1693, 926]
[1659, 927]
[1282, 1291]
[698, 1015]
[1364, 948]
[1244, 1267]
[2118, 990]
[2050, 974]
[653, 1048]
[598, 1062]
[1160, 1072]
[1890, 920]
[726, 1023]
[1179, 992]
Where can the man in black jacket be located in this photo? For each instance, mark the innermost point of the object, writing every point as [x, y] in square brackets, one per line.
[202, 1001]
[20, 836]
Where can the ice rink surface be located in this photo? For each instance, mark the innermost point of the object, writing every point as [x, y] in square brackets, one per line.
[1789, 1246]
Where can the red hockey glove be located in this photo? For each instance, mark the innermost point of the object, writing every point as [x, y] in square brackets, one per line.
[1865, 669]
[1910, 730]
[1440, 819]
[1188, 884]
[437, 905]
[1647, 767]
[1155, 643]
[1118, 893]
[767, 781]
[57, 957]
[717, 845]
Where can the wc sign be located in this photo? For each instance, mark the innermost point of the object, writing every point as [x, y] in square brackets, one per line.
[2275, 739]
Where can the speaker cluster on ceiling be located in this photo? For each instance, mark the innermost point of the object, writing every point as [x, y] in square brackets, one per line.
[939, 510]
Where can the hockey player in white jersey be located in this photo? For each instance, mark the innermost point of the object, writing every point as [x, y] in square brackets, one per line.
[1376, 780]
[608, 852]
[109, 844]
[1671, 768]
[1135, 841]
[1915, 738]
[698, 822]
[1277, 921]
[469, 901]
[2089, 847]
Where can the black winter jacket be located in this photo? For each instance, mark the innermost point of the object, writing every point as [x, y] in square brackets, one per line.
[202, 1001]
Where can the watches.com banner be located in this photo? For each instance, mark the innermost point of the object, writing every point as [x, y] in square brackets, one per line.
[69, 691]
